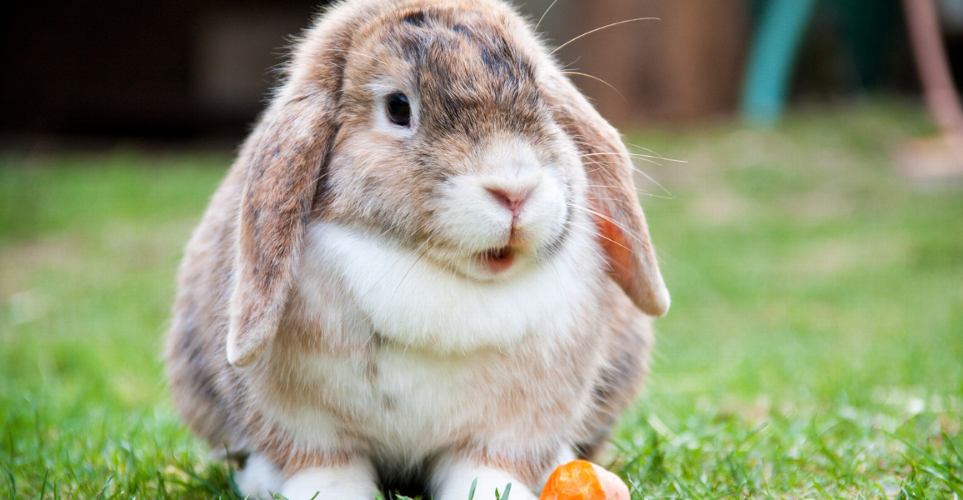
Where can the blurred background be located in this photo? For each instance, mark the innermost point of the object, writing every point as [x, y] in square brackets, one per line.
[800, 168]
[199, 70]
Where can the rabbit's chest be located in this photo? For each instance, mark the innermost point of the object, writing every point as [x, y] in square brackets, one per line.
[351, 284]
[400, 402]
[403, 395]
[406, 359]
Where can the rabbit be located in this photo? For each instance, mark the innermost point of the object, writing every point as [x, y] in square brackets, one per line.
[428, 263]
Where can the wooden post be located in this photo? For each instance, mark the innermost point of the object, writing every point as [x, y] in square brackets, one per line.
[684, 65]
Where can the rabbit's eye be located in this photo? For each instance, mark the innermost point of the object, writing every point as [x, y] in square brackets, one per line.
[399, 109]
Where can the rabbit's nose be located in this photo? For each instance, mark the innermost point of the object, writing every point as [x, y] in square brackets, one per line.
[512, 199]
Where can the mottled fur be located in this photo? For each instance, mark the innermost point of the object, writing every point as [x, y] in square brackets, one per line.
[332, 323]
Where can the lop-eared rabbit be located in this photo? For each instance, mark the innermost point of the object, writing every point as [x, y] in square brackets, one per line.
[428, 261]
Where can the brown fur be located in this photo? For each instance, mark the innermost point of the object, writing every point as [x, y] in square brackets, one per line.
[609, 168]
[311, 158]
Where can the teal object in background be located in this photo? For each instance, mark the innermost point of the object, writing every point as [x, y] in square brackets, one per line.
[866, 25]
[779, 34]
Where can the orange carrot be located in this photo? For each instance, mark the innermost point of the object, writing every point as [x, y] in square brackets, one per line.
[581, 480]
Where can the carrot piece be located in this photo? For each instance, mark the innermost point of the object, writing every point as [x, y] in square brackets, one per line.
[581, 480]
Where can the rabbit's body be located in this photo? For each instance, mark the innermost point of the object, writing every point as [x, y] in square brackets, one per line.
[405, 406]
[427, 293]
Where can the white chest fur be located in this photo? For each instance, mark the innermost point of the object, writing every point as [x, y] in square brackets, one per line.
[413, 405]
[453, 349]
[417, 303]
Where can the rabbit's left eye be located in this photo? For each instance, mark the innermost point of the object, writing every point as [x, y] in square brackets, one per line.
[399, 109]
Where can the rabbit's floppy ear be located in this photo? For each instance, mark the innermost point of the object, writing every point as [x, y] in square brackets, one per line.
[284, 158]
[613, 202]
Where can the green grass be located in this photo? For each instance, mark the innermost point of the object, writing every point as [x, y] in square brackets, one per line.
[814, 348]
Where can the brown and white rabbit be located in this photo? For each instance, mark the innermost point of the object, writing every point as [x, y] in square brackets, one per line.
[429, 261]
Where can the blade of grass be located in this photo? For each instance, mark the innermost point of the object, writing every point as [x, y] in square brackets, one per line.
[104, 488]
[43, 487]
[12, 484]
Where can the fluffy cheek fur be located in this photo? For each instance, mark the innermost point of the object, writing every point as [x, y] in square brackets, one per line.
[413, 301]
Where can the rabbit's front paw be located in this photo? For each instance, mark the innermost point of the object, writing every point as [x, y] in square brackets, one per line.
[355, 481]
[454, 482]
[259, 478]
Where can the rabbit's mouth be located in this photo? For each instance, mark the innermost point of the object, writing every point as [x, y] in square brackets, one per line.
[498, 260]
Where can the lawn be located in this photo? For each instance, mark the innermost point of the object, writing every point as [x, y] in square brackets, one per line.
[814, 348]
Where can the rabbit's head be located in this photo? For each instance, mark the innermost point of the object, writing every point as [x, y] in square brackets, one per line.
[444, 128]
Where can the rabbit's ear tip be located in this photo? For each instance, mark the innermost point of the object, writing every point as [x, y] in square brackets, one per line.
[632, 267]
[242, 349]
[662, 302]
[651, 298]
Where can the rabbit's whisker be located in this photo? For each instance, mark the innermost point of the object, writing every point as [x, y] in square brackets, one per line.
[539, 23]
[392, 227]
[420, 255]
[607, 84]
[638, 192]
[604, 217]
[633, 155]
[571, 65]
[587, 33]
[654, 153]
[610, 240]
[619, 153]
[637, 170]
[593, 229]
